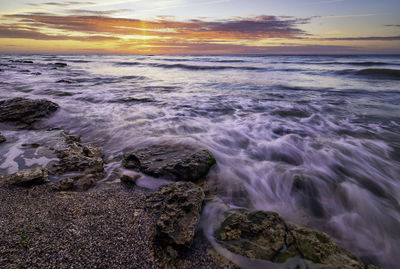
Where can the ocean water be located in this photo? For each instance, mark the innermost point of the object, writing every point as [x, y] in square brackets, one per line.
[314, 138]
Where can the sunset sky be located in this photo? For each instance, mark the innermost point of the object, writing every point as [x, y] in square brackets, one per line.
[201, 26]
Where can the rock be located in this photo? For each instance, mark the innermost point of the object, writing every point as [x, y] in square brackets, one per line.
[66, 184]
[27, 177]
[77, 183]
[130, 178]
[2, 138]
[26, 111]
[76, 157]
[179, 205]
[174, 162]
[265, 235]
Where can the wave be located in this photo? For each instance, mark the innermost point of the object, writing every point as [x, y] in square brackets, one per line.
[79, 61]
[366, 63]
[206, 67]
[128, 63]
[191, 67]
[210, 60]
[376, 73]
[369, 63]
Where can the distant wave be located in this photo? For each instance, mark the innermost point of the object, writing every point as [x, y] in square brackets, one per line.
[380, 73]
[128, 63]
[205, 67]
[210, 60]
[368, 63]
[79, 61]
[191, 67]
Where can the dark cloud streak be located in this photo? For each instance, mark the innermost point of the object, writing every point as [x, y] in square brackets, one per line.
[62, 4]
[30, 33]
[98, 12]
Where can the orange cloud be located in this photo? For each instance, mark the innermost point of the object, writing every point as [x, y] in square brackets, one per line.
[240, 28]
[97, 30]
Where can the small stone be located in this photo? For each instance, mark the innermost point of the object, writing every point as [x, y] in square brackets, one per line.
[66, 184]
[27, 177]
[80, 183]
[130, 178]
[2, 138]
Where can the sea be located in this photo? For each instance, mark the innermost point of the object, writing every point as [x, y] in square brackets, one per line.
[314, 138]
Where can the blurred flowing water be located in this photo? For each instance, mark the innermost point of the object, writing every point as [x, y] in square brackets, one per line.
[314, 138]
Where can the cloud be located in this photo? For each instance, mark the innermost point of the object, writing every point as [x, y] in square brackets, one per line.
[393, 25]
[30, 33]
[98, 12]
[63, 4]
[168, 34]
[368, 38]
[347, 16]
[239, 28]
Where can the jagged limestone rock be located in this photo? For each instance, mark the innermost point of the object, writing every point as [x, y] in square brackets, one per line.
[265, 235]
[179, 205]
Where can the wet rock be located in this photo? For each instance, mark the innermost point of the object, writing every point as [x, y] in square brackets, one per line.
[174, 162]
[2, 138]
[27, 177]
[25, 111]
[129, 178]
[76, 157]
[179, 205]
[265, 235]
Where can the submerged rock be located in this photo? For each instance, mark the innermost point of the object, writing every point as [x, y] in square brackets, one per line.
[179, 205]
[2, 138]
[265, 235]
[174, 162]
[307, 195]
[27, 177]
[26, 111]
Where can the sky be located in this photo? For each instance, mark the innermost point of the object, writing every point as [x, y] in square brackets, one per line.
[201, 26]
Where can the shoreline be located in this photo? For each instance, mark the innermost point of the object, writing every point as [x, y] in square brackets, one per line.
[102, 228]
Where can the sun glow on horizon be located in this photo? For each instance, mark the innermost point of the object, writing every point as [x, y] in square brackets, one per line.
[75, 27]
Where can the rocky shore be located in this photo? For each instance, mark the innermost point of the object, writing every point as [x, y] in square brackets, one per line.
[58, 216]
